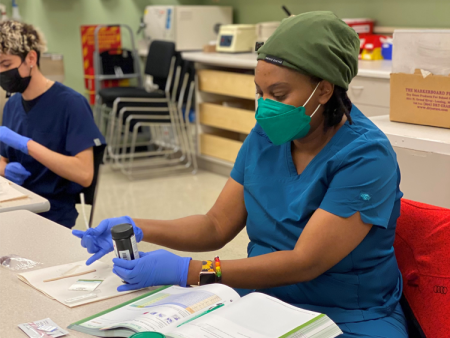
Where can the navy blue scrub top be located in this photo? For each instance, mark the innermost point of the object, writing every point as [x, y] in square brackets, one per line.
[62, 121]
[356, 171]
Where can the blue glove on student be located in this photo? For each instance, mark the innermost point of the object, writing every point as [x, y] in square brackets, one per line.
[14, 140]
[15, 172]
[158, 267]
[98, 241]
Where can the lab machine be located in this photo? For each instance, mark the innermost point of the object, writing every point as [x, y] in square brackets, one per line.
[190, 27]
[236, 38]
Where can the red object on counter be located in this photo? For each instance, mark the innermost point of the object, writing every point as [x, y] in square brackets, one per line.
[363, 26]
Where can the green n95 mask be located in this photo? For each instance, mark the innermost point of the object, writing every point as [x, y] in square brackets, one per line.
[282, 122]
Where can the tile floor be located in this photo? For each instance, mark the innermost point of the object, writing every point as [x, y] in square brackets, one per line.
[165, 197]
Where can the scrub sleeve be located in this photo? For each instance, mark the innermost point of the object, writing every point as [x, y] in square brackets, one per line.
[364, 185]
[80, 134]
[237, 173]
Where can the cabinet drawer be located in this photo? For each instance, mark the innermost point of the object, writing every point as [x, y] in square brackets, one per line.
[219, 147]
[370, 111]
[234, 119]
[371, 91]
[227, 83]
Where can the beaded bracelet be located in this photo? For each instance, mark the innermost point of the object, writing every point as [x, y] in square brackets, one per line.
[218, 269]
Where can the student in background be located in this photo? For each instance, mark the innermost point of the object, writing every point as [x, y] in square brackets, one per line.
[48, 135]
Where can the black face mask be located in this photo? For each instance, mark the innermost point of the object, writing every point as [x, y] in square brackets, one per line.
[12, 82]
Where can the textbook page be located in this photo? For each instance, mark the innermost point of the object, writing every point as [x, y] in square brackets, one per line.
[161, 311]
[259, 316]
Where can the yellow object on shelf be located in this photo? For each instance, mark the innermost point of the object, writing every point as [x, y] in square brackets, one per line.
[371, 54]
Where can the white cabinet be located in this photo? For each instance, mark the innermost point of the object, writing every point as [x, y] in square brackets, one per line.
[423, 155]
[370, 95]
[370, 90]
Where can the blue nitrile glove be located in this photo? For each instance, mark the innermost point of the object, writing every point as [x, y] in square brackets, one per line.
[158, 267]
[14, 140]
[98, 241]
[15, 172]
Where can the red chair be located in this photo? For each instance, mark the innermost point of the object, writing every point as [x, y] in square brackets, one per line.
[422, 248]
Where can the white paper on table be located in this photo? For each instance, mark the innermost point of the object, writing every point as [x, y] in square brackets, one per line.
[59, 289]
[8, 193]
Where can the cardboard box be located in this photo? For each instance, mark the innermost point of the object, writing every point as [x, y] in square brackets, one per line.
[420, 100]
[52, 66]
[209, 49]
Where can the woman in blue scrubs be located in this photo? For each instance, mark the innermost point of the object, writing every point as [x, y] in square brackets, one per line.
[315, 183]
[48, 137]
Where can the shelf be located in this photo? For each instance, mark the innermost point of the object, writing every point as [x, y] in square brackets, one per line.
[227, 83]
[234, 119]
[219, 147]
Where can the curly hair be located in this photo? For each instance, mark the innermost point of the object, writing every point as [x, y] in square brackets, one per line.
[17, 38]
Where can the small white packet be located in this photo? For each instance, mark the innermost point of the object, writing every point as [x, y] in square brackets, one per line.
[41, 328]
[85, 285]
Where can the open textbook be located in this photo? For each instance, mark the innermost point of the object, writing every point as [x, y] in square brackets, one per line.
[210, 311]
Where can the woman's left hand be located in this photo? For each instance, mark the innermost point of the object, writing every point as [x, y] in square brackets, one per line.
[14, 140]
[158, 267]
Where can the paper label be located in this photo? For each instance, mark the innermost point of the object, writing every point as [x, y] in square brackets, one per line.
[85, 285]
[425, 73]
[134, 246]
[125, 254]
[273, 59]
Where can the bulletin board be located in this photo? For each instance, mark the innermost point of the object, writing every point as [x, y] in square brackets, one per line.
[109, 38]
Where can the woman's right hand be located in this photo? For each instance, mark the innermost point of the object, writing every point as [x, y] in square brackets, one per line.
[98, 241]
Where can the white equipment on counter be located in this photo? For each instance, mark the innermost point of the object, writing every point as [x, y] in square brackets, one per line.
[265, 29]
[236, 38]
[15, 11]
[190, 27]
[3, 17]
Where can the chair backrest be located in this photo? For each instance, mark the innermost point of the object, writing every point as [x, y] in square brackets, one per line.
[114, 61]
[187, 68]
[422, 249]
[159, 59]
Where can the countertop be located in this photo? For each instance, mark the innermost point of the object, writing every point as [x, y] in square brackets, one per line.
[34, 237]
[415, 137]
[33, 203]
[376, 69]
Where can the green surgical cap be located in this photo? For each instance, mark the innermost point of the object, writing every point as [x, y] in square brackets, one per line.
[315, 43]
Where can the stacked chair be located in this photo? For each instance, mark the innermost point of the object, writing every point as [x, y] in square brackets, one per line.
[149, 132]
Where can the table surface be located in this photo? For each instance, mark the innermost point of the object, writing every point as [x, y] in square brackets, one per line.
[415, 137]
[377, 69]
[32, 236]
[33, 203]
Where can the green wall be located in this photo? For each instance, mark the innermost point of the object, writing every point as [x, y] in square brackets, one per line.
[60, 21]
[393, 13]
